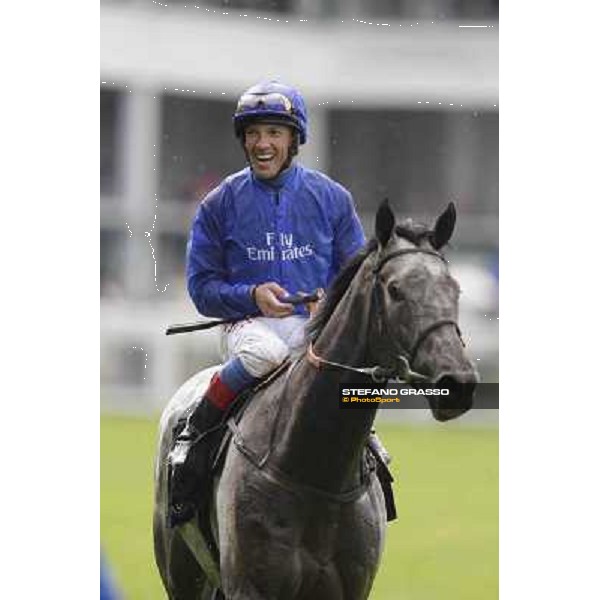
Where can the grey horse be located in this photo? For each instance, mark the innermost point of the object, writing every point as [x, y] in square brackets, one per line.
[296, 511]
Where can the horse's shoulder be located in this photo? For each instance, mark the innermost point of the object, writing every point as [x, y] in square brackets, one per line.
[262, 412]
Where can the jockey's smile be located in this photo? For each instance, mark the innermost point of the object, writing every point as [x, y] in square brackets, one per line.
[267, 147]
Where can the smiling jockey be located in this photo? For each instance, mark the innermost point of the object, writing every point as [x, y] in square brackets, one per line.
[271, 230]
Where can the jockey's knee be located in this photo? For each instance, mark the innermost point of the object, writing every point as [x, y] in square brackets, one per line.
[259, 361]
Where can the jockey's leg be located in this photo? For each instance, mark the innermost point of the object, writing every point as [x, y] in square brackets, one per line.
[255, 351]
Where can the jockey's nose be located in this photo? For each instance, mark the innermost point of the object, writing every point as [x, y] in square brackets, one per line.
[261, 139]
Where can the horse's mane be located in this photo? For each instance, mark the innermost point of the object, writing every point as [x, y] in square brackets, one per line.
[337, 289]
[407, 229]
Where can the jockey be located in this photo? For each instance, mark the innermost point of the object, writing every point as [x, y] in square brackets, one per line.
[272, 230]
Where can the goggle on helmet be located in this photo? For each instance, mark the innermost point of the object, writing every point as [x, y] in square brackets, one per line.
[271, 103]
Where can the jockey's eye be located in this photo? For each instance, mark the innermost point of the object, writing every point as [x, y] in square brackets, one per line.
[395, 291]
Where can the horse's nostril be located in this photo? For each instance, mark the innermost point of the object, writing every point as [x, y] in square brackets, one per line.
[456, 396]
[465, 383]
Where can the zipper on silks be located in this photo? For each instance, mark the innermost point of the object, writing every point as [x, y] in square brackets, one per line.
[278, 239]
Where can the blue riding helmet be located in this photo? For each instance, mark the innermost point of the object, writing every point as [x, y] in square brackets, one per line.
[274, 102]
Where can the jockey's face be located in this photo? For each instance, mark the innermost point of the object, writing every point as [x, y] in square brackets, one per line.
[267, 147]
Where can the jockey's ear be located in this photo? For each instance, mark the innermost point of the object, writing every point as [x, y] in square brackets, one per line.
[444, 227]
[384, 223]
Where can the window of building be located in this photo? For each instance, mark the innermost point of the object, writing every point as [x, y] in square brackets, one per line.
[170, 255]
[112, 252]
[384, 154]
[110, 158]
[278, 6]
[430, 9]
[198, 147]
[487, 175]
[419, 160]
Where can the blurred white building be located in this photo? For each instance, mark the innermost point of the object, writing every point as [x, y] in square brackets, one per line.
[403, 104]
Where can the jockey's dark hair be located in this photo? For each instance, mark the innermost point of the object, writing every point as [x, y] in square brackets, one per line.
[295, 143]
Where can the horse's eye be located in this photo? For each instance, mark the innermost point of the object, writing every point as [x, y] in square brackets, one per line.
[395, 291]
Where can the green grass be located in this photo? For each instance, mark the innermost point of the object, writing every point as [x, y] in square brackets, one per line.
[445, 542]
[126, 462]
[443, 546]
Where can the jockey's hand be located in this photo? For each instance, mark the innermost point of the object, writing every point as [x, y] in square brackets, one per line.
[267, 296]
[313, 306]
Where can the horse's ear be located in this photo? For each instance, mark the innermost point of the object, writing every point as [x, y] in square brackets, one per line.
[384, 223]
[444, 227]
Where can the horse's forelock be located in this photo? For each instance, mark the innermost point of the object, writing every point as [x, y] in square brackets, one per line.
[415, 233]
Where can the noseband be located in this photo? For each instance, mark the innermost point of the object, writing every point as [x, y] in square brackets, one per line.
[402, 370]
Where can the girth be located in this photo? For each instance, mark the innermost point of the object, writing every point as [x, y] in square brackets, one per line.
[281, 479]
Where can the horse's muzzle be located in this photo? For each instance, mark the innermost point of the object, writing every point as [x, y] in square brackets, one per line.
[457, 396]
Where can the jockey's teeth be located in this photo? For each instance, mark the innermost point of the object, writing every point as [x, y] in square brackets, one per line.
[264, 158]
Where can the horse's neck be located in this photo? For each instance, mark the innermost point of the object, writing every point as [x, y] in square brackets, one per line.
[319, 444]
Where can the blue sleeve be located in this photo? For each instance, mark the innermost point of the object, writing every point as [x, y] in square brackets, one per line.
[206, 272]
[349, 236]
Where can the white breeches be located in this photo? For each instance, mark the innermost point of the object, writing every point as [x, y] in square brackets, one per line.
[263, 343]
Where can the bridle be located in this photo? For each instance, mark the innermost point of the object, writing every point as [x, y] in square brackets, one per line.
[403, 359]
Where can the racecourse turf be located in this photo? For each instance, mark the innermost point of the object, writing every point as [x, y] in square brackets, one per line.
[444, 546]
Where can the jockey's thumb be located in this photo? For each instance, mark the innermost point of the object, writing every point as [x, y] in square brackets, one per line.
[276, 289]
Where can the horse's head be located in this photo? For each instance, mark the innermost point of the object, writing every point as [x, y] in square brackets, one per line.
[416, 306]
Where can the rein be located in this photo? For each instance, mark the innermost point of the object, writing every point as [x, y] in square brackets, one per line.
[378, 374]
[294, 300]
[402, 370]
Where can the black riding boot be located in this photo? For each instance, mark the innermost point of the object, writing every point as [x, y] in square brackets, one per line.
[189, 462]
